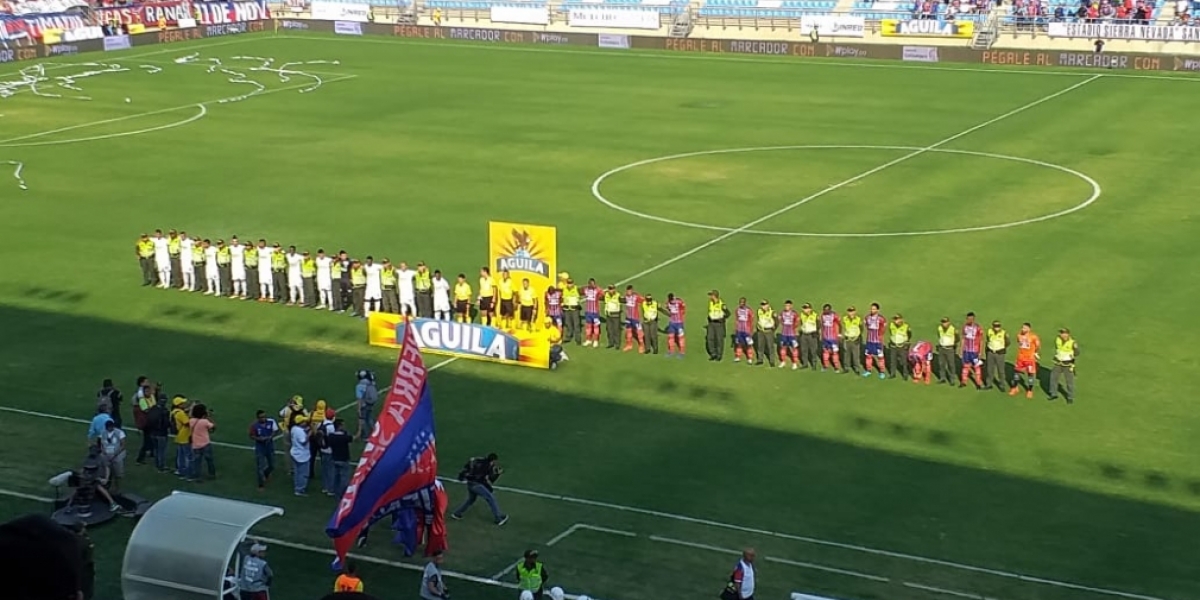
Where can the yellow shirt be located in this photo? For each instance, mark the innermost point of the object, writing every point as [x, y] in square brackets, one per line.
[486, 285]
[526, 297]
[462, 291]
[506, 289]
[181, 425]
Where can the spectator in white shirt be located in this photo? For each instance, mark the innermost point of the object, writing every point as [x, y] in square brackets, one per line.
[112, 447]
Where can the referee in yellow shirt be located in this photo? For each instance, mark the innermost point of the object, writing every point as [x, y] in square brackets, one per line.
[487, 296]
[508, 308]
[528, 305]
[462, 299]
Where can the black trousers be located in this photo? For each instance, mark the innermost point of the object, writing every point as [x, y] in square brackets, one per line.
[147, 448]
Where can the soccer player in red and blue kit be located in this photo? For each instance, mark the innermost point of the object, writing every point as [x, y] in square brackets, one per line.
[831, 334]
[554, 307]
[972, 347]
[789, 344]
[592, 296]
[743, 333]
[876, 326]
[920, 358]
[676, 310]
[633, 320]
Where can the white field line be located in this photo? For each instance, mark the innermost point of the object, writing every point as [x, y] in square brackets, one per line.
[427, 369]
[108, 136]
[938, 590]
[859, 177]
[160, 111]
[734, 527]
[76, 59]
[804, 565]
[799, 61]
[562, 536]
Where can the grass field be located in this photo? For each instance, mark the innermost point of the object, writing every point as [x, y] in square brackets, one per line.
[855, 489]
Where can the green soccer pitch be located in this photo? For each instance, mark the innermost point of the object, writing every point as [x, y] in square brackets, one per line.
[645, 472]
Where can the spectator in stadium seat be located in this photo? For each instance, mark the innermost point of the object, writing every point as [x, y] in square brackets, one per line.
[42, 560]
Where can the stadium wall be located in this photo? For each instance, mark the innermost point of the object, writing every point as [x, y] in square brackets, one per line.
[911, 52]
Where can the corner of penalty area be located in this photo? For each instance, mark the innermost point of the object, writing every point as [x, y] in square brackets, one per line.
[184, 544]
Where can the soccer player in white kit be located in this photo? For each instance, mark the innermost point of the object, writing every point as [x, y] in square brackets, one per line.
[441, 297]
[406, 291]
[162, 258]
[324, 280]
[213, 276]
[187, 268]
[237, 268]
[373, 294]
[295, 281]
[266, 280]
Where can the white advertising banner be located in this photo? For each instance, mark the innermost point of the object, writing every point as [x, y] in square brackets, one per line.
[1118, 31]
[528, 15]
[833, 25]
[336, 11]
[614, 18]
[920, 53]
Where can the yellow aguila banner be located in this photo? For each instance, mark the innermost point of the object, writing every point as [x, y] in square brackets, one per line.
[525, 251]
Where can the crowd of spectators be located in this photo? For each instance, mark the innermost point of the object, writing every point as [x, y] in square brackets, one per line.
[1134, 12]
[933, 9]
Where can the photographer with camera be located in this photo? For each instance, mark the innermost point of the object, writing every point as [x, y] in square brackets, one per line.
[479, 474]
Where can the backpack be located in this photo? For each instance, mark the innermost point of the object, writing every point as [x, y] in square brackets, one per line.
[172, 424]
[104, 401]
[320, 436]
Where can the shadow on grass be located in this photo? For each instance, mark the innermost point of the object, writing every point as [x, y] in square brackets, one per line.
[584, 446]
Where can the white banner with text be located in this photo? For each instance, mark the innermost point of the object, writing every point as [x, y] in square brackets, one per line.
[833, 25]
[336, 11]
[526, 15]
[613, 17]
[1115, 31]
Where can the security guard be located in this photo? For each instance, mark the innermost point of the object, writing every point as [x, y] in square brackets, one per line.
[387, 281]
[423, 284]
[1066, 349]
[358, 288]
[224, 259]
[714, 340]
[279, 273]
[145, 254]
[947, 346]
[571, 317]
[531, 574]
[173, 247]
[810, 343]
[764, 333]
[308, 278]
[852, 341]
[997, 347]
[250, 259]
[335, 276]
[649, 322]
[612, 317]
[899, 336]
[197, 264]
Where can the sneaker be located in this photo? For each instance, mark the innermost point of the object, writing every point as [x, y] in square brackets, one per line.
[737, 359]
[502, 521]
[1029, 395]
[301, 494]
[456, 516]
[795, 367]
[115, 507]
[883, 375]
[782, 366]
[866, 374]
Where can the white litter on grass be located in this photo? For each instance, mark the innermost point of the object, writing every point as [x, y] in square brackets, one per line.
[34, 77]
[20, 166]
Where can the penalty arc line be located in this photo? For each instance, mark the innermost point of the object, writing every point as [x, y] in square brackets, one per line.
[727, 526]
[856, 178]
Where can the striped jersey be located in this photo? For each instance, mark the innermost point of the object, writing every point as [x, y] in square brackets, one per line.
[788, 321]
[831, 326]
[744, 315]
[972, 338]
[876, 325]
[591, 299]
[676, 309]
[633, 306]
[921, 350]
[554, 303]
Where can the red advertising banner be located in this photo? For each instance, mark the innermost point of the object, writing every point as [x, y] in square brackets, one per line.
[148, 13]
[222, 13]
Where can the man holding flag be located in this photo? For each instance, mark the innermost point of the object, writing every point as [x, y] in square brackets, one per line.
[400, 456]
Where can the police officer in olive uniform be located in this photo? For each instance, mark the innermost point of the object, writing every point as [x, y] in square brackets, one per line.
[308, 279]
[612, 317]
[764, 333]
[947, 351]
[997, 347]
[1066, 350]
[649, 321]
[387, 283]
[423, 284]
[279, 273]
[145, 253]
[898, 343]
[358, 288]
[224, 259]
[173, 247]
[714, 340]
[336, 270]
[571, 317]
[250, 258]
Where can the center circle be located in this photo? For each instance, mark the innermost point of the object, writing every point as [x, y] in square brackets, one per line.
[598, 195]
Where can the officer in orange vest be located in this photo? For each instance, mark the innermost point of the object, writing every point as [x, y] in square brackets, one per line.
[348, 581]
